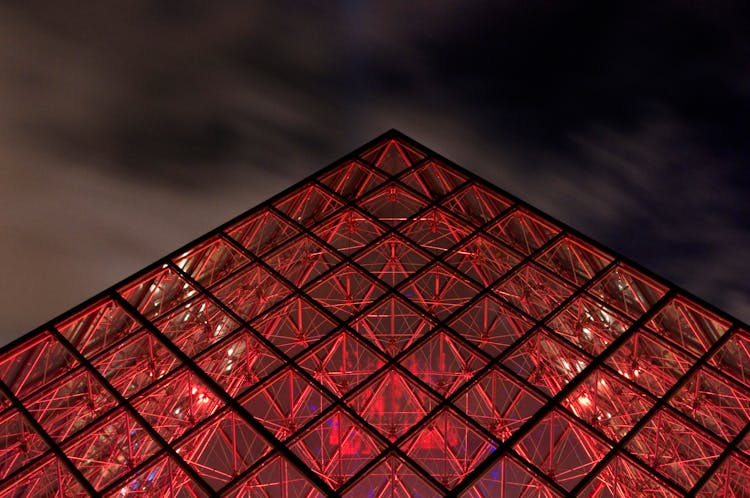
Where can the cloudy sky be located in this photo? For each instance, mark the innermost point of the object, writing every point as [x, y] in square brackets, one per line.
[128, 128]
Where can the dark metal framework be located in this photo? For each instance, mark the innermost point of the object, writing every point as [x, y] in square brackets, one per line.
[391, 326]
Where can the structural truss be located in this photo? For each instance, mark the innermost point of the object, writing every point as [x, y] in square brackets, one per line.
[392, 326]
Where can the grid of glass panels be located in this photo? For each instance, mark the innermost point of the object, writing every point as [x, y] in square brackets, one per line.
[393, 326]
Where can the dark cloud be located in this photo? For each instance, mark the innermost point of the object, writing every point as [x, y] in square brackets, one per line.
[129, 128]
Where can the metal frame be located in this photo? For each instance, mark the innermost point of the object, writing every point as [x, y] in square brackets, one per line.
[465, 344]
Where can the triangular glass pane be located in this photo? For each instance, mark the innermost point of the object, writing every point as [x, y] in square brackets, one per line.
[110, 449]
[688, 325]
[433, 179]
[196, 325]
[277, 478]
[533, 290]
[345, 291]
[622, 477]
[719, 405]
[649, 362]
[336, 448]
[443, 363]
[674, 448]
[499, 403]
[491, 325]
[176, 405]
[439, 290]
[483, 260]
[348, 231]
[546, 362]
[308, 204]
[97, 327]
[19, 443]
[294, 325]
[210, 261]
[301, 260]
[608, 403]
[390, 157]
[733, 357]
[285, 403]
[573, 259]
[239, 362]
[523, 231]
[562, 449]
[477, 204]
[447, 448]
[262, 231]
[341, 363]
[69, 405]
[222, 449]
[729, 480]
[50, 478]
[435, 230]
[589, 324]
[392, 204]
[251, 292]
[392, 478]
[352, 179]
[392, 404]
[164, 476]
[507, 479]
[136, 363]
[35, 363]
[158, 292]
[392, 259]
[628, 291]
[392, 325]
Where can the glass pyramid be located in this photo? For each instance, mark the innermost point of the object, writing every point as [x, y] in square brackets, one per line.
[392, 326]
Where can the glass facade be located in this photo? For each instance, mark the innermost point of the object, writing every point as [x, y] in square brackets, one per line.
[393, 326]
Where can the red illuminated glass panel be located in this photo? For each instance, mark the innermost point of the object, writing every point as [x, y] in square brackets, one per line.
[523, 231]
[729, 480]
[348, 231]
[393, 157]
[98, 327]
[35, 363]
[210, 262]
[435, 230]
[444, 363]
[286, 403]
[500, 403]
[439, 290]
[301, 260]
[491, 325]
[308, 205]
[545, 361]
[533, 290]
[448, 448]
[688, 325]
[19, 443]
[275, 478]
[476, 204]
[623, 477]
[336, 448]
[392, 204]
[674, 448]
[573, 259]
[628, 291]
[48, 478]
[351, 180]
[562, 448]
[262, 231]
[341, 363]
[433, 179]
[509, 478]
[346, 291]
[392, 478]
[392, 259]
[294, 325]
[158, 292]
[483, 260]
[733, 357]
[392, 325]
[164, 475]
[251, 292]
[393, 404]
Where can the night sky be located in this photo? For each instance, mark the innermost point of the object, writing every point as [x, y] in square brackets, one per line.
[129, 128]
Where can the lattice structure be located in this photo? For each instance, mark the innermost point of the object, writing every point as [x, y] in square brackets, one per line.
[392, 326]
